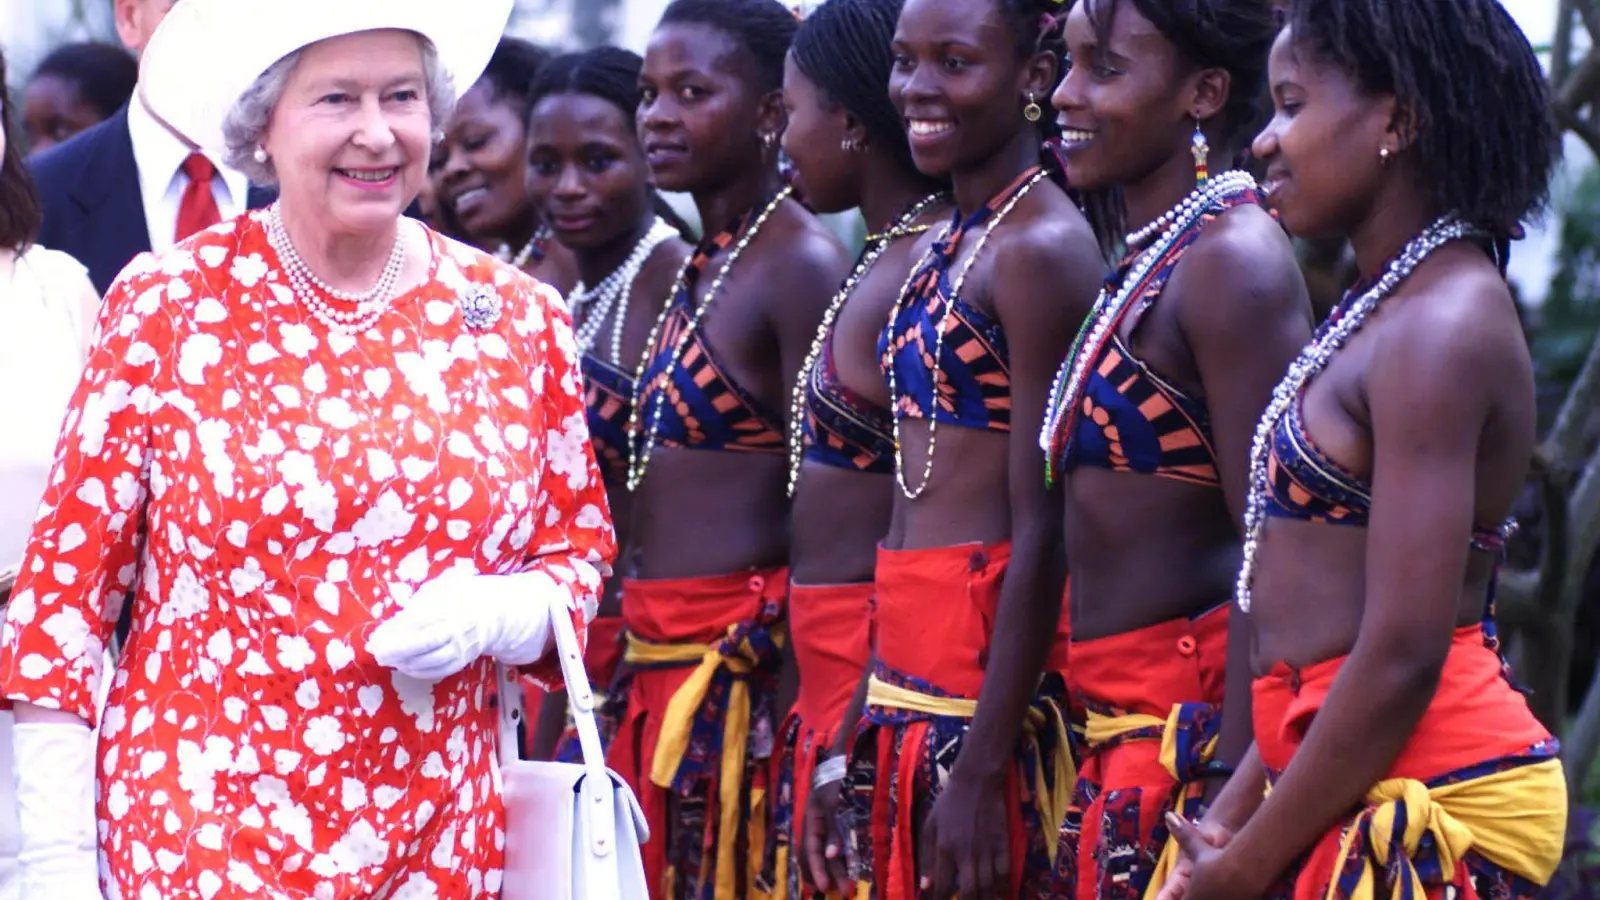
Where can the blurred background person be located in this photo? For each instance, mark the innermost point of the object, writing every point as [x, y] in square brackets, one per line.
[47, 309]
[480, 169]
[76, 87]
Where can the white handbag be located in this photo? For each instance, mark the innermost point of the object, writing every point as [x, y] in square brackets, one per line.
[573, 831]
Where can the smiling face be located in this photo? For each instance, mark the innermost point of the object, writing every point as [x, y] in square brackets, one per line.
[827, 175]
[349, 136]
[587, 172]
[960, 82]
[1123, 103]
[1324, 170]
[480, 169]
[701, 117]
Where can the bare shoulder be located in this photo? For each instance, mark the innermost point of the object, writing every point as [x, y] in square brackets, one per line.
[1048, 263]
[800, 268]
[1241, 269]
[1454, 324]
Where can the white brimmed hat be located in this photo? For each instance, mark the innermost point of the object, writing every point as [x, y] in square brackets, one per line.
[207, 53]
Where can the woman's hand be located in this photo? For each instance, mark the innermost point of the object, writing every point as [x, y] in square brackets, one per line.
[459, 616]
[1205, 871]
[824, 845]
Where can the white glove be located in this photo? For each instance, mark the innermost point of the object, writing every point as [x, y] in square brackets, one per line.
[461, 615]
[58, 858]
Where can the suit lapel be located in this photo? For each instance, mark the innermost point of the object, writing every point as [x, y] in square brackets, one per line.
[111, 228]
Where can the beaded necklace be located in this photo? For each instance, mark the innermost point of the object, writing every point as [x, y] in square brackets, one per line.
[309, 289]
[1111, 307]
[1345, 320]
[942, 254]
[641, 447]
[541, 235]
[875, 247]
[592, 307]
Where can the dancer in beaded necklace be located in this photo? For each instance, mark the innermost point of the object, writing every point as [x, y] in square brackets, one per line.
[705, 574]
[960, 762]
[479, 169]
[849, 149]
[1401, 758]
[1149, 423]
[589, 178]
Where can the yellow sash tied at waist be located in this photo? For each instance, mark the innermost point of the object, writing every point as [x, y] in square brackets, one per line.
[1516, 819]
[738, 658]
[1044, 717]
[1102, 729]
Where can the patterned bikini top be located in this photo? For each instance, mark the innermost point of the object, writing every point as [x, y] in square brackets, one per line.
[607, 399]
[843, 429]
[1130, 417]
[704, 408]
[965, 378]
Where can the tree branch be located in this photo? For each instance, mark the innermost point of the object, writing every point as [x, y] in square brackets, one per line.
[1590, 12]
[1565, 447]
[1579, 126]
[1561, 52]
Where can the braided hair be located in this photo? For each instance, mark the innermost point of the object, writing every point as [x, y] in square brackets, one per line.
[511, 72]
[843, 48]
[764, 28]
[610, 74]
[1235, 35]
[1468, 91]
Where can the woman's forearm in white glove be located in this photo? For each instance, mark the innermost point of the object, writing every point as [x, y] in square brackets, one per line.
[53, 755]
[459, 616]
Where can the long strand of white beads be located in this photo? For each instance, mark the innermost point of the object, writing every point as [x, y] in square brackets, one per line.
[309, 289]
[797, 400]
[938, 346]
[521, 257]
[1312, 360]
[639, 454]
[1107, 310]
[592, 307]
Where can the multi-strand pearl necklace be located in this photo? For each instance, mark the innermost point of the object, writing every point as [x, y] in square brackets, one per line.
[592, 307]
[1346, 321]
[938, 346]
[310, 289]
[1066, 390]
[876, 245]
[641, 447]
[520, 259]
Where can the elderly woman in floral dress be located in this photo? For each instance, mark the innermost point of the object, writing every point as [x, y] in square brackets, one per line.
[339, 466]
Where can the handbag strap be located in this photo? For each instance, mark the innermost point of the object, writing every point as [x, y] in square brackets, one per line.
[580, 698]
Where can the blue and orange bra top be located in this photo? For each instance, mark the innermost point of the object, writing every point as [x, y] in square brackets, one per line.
[704, 408]
[844, 429]
[965, 378]
[1130, 417]
[1306, 484]
[608, 402]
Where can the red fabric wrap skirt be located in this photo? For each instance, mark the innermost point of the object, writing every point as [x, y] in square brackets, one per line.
[1115, 830]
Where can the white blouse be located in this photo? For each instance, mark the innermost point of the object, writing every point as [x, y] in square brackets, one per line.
[47, 312]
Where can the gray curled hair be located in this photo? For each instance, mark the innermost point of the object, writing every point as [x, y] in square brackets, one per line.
[245, 126]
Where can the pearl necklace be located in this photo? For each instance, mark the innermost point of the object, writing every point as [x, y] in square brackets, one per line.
[639, 456]
[503, 252]
[1331, 337]
[309, 289]
[876, 245]
[592, 307]
[939, 330]
[1066, 390]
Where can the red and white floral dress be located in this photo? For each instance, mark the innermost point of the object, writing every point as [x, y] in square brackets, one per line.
[267, 491]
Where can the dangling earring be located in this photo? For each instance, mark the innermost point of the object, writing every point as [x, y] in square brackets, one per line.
[260, 155]
[851, 145]
[768, 139]
[1201, 148]
[1032, 112]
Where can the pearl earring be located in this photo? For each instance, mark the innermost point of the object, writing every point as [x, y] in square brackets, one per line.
[1383, 155]
[260, 154]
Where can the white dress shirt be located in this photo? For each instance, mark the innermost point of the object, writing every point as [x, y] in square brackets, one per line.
[159, 154]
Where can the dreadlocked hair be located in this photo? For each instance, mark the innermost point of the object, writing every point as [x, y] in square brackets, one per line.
[1235, 35]
[512, 70]
[1468, 91]
[843, 48]
[1037, 25]
[610, 74]
[765, 28]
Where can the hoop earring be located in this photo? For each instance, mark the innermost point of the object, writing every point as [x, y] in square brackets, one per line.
[260, 155]
[1032, 112]
[1201, 148]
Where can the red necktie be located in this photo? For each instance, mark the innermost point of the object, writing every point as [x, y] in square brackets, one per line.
[198, 208]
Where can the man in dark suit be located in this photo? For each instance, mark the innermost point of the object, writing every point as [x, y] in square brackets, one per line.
[129, 184]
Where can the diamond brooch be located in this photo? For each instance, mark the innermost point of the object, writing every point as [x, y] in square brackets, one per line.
[480, 307]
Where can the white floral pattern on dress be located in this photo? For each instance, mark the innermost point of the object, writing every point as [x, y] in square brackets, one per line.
[268, 491]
